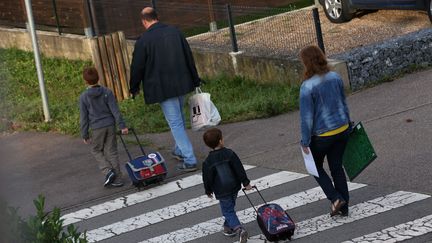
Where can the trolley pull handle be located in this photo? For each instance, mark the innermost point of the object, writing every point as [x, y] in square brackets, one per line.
[124, 144]
[256, 188]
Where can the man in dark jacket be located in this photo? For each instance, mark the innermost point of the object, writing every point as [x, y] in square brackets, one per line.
[162, 60]
[223, 174]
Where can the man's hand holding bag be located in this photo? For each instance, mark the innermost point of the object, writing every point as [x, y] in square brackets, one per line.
[203, 113]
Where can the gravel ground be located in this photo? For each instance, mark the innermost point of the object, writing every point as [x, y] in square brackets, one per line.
[285, 34]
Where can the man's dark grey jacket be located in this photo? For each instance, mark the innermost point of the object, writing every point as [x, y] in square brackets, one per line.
[162, 60]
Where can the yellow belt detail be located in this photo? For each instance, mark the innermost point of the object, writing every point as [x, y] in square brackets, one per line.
[335, 131]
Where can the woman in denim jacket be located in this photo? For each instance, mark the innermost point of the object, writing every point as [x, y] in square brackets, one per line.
[325, 125]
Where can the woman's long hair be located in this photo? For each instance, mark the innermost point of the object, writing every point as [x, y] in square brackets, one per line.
[314, 61]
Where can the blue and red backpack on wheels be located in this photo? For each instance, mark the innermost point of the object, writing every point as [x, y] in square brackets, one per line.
[146, 168]
[274, 222]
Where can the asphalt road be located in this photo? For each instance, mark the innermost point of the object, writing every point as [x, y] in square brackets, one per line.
[397, 116]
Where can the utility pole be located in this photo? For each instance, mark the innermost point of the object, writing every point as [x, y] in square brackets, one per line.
[31, 29]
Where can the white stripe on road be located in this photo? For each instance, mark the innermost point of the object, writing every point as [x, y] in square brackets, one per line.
[398, 233]
[357, 212]
[245, 216]
[135, 198]
[181, 208]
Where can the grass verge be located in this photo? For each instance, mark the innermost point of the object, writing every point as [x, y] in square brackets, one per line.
[237, 99]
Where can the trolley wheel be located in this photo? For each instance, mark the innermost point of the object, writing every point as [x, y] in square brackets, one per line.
[162, 178]
[139, 185]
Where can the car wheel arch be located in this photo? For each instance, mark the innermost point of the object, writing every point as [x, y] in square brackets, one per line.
[429, 9]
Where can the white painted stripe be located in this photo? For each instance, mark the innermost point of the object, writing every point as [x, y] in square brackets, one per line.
[357, 212]
[245, 216]
[132, 199]
[181, 208]
[398, 233]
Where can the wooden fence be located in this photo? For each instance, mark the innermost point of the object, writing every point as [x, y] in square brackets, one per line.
[107, 16]
[187, 15]
[111, 59]
[65, 16]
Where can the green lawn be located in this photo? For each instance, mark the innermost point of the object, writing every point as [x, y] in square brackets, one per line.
[237, 99]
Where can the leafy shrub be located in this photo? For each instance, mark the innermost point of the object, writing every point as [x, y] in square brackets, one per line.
[44, 227]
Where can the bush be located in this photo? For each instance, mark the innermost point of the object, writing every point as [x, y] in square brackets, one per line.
[44, 227]
[10, 224]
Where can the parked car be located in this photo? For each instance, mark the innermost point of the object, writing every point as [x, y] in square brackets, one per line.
[339, 11]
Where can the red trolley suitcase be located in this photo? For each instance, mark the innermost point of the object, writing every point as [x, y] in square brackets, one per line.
[274, 222]
[146, 168]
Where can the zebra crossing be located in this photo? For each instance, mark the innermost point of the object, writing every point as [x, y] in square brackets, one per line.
[177, 211]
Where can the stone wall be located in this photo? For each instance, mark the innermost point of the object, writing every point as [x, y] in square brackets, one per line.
[261, 69]
[373, 63]
[51, 44]
[209, 63]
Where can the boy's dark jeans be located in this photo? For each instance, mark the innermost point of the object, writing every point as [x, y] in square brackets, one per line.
[227, 205]
[333, 147]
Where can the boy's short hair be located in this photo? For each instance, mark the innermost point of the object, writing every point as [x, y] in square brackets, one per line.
[212, 137]
[90, 75]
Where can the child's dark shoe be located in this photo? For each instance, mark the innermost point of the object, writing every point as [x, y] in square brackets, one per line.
[229, 232]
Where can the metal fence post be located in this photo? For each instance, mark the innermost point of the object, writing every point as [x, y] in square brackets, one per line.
[94, 22]
[91, 18]
[318, 29]
[56, 16]
[232, 29]
[212, 24]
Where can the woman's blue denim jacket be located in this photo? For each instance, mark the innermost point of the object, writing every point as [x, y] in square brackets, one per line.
[322, 106]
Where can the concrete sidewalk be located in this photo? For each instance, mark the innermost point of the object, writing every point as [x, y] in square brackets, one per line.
[396, 115]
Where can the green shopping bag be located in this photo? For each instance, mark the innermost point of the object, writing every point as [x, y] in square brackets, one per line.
[359, 152]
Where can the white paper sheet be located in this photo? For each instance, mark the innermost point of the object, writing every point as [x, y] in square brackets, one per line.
[309, 163]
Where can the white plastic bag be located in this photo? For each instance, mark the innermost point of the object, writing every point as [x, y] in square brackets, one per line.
[203, 113]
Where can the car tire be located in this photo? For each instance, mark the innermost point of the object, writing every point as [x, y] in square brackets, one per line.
[429, 10]
[337, 11]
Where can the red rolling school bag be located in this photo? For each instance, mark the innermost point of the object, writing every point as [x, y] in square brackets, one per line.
[146, 168]
[273, 221]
